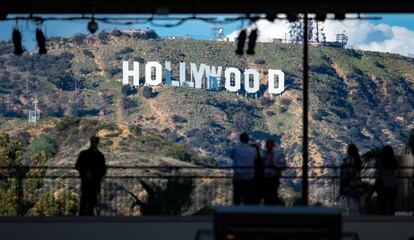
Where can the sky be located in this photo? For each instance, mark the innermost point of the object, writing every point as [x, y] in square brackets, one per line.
[391, 33]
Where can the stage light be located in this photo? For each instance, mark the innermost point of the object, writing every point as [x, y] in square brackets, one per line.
[92, 26]
[271, 17]
[252, 42]
[340, 16]
[17, 42]
[3, 16]
[241, 40]
[41, 41]
[320, 17]
[292, 17]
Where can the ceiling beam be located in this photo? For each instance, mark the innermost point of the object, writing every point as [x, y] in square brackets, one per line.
[202, 6]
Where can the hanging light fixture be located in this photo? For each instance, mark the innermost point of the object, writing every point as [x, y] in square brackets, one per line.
[271, 17]
[340, 16]
[320, 17]
[3, 15]
[241, 41]
[92, 26]
[292, 16]
[41, 41]
[17, 42]
[252, 42]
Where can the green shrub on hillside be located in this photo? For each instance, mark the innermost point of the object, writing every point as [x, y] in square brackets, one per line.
[112, 71]
[128, 90]
[67, 123]
[79, 38]
[46, 143]
[88, 53]
[107, 125]
[179, 151]
[147, 91]
[128, 103]
[178, 119]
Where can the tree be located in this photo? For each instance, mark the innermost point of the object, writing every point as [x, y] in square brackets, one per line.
[173, 199]
[58, 203]
[35, 175]
[10, 155]
[19, 186]
[10, 170]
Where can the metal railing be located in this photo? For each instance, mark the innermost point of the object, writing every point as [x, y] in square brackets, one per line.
[174, 190]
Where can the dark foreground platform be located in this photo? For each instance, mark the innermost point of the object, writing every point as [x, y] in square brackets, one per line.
[164, 227]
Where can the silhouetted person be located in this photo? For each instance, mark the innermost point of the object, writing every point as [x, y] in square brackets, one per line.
[273, 164]
[243, 155]
[385, 183]
[350, 185]
[92, 168]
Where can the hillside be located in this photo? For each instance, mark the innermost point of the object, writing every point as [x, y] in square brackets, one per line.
[355, 97]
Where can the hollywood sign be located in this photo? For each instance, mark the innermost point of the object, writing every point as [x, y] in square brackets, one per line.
[204, 76]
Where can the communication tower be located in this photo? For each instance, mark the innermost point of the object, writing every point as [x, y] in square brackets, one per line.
[34, 115]
[217, 33]
[342, 39]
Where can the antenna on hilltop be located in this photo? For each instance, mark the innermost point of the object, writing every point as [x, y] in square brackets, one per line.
[342, 39]
[34, 115]
[217, 33]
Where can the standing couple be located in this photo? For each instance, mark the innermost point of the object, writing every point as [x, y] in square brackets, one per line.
[256, 178]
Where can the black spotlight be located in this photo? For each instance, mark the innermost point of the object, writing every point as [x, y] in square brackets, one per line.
[252, 42]
[292, 17]
[92, 26]
[3, 15]
[340, 16]
[320, 17]
[241, 40]
[271, 17]
[17, 42]
[41, 41]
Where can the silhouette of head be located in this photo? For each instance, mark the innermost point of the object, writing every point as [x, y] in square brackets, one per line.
[352, 150]
[387, 158]
[270, 144]
[244, 138]
[94, 142]
[354, 154]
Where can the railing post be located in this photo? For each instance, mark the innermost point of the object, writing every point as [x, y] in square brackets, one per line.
[305, 183]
